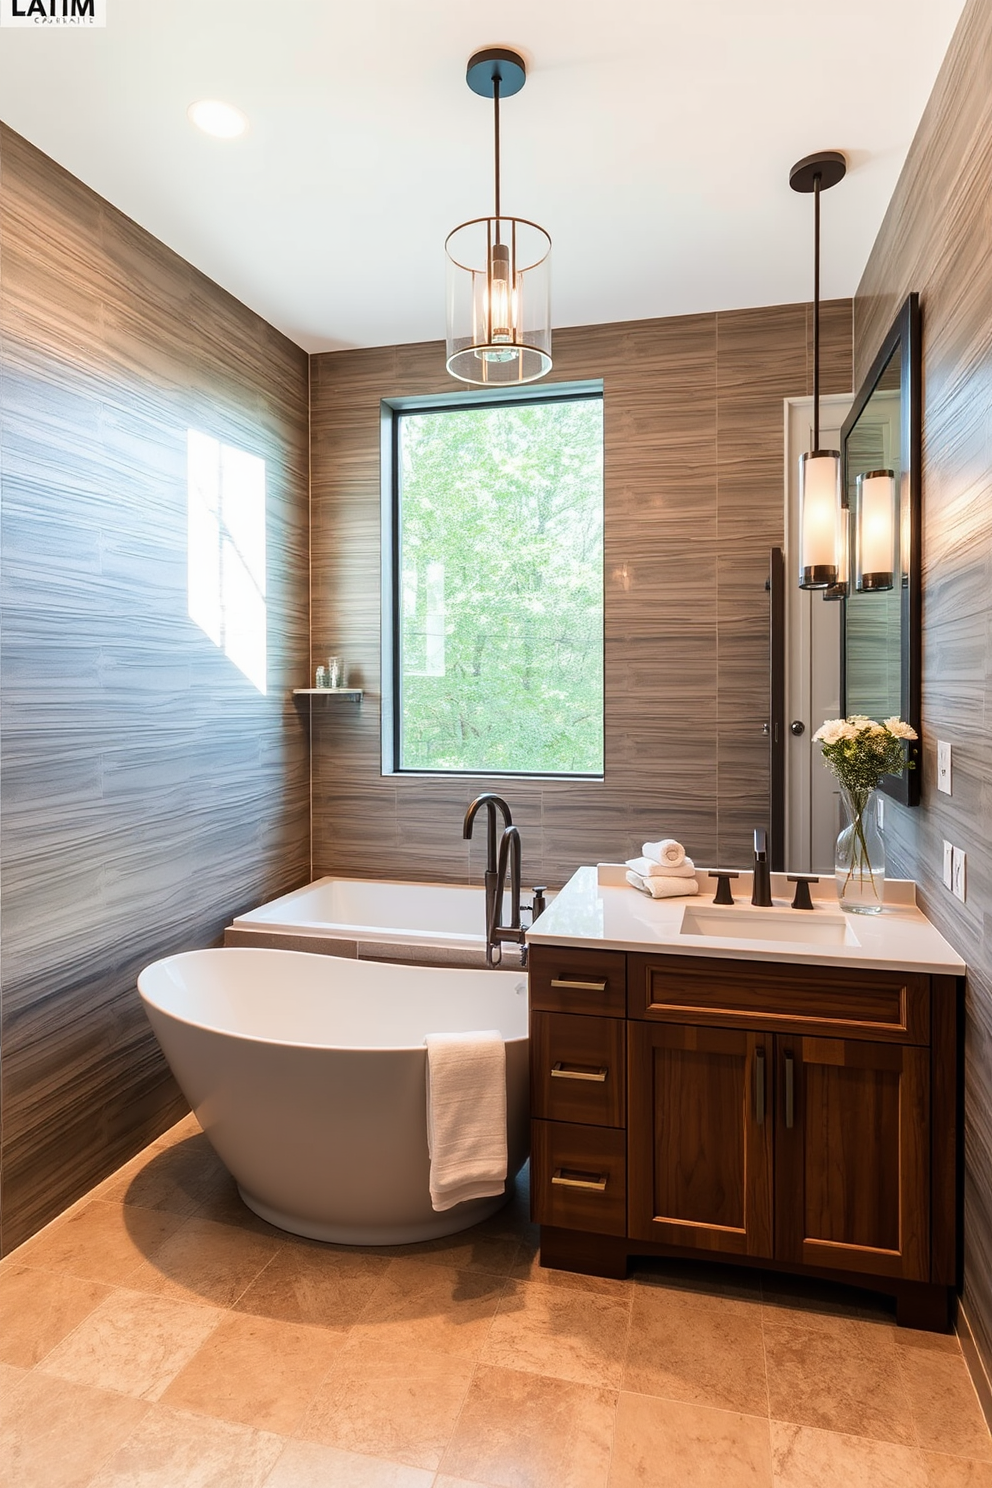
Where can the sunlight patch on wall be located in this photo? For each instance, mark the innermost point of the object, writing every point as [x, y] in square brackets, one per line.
[226, 550]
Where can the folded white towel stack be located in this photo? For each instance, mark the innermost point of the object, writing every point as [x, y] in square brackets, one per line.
[648, 868]
[466, 1116]
[668, 887]
[667, 851]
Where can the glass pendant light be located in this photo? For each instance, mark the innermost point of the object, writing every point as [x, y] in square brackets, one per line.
[821, 516]
[499, 268]
[876, 531]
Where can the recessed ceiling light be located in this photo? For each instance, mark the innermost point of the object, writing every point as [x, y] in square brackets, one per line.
[219, 119]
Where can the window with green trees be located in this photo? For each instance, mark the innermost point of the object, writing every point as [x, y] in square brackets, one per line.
[498, 587]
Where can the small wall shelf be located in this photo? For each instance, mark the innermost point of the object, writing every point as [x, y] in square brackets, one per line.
[355, 693]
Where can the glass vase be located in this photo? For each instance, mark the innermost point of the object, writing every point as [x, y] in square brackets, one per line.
[860, 854]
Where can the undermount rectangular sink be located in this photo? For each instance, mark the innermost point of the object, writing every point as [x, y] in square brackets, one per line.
[803, 927]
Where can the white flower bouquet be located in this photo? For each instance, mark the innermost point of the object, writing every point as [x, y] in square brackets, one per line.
[859, 751]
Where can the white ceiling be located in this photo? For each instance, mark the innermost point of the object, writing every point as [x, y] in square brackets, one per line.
[653, 140]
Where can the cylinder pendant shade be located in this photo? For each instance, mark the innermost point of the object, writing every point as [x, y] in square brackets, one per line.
[499, 301]
[841, 588]
[876, 531]
[820, 517]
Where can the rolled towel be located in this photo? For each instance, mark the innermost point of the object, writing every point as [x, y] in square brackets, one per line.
[466, 1116]
[648, 868]
[663, 888]
[667, 851]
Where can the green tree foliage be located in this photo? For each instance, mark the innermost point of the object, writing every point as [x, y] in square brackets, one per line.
[502, 588]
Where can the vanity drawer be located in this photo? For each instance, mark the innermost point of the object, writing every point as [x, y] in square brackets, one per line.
[565, 980]
[579, 1177]
[886, 1005]
[577, 1068]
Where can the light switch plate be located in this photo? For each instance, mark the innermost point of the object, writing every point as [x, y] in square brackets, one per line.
[948, 866]
[944, 767]
[959, 858]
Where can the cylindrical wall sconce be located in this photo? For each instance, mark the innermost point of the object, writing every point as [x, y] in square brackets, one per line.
[876, 531]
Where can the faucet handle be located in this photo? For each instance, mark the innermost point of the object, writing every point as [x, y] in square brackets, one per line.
[723, 877]
[802, 882]
[538, 905]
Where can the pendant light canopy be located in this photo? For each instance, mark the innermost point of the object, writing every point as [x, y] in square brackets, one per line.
[498, 267]
[822, 516]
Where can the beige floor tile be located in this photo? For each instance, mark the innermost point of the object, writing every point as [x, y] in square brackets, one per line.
[444, 1481]
[187, 1127]
[527, 1267]
[468, 1251]
[943, 1403]
[554, 1331]
[436, 1308]
[519, 1430]
[706, 1278]
[11, 1377]
[56, 1434]
[803, 1457]
[226, 1206]
[38, 1309]
[322, 1285]
[839, 1374]
[387, 1401]
[309, 1465]
[204, 1262]
[133, 1343]
[176, 1178]
[255, 1372]
[666, 1444]
[699, 1349]
[100, 1241]
[171, 1449]
[956, 1472]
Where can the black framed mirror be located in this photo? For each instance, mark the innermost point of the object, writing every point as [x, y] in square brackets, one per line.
[880, 627]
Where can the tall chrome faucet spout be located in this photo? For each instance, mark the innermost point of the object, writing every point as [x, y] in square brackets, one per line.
[761, 886]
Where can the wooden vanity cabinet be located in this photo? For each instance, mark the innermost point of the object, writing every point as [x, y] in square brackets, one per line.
[796, 1117]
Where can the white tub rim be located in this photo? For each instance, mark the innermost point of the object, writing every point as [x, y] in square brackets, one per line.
[314, 956]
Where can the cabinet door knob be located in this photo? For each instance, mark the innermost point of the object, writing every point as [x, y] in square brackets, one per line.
[566, 1178]
[562, 1071]
[581, 986]
[759, 1086]
[790, 1090]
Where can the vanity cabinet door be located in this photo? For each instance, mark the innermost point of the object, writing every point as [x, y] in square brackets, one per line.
[699, 1163]
[852, 1173]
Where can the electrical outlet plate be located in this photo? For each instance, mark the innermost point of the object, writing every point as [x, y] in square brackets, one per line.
[958, 887]
[944, 767]
[948, 866]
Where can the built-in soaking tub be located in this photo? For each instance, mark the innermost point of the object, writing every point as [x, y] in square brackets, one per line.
[376, 919]
[308, 1073]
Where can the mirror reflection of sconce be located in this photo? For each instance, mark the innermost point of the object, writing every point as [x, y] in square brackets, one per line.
[875, 525]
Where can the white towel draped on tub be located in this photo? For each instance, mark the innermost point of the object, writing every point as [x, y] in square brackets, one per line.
[466, 1116]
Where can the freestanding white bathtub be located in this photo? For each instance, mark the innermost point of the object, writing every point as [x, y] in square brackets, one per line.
[307, 1073]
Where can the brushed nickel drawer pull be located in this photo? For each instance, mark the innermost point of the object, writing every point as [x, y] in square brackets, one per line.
[560, 1071]
[569, 1178]
[579, 986]
[759, 1086]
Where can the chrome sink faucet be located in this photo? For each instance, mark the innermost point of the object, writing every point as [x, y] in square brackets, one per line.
[492, 804]
[761, 886]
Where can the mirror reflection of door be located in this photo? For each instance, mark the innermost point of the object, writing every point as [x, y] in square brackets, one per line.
[812, 679]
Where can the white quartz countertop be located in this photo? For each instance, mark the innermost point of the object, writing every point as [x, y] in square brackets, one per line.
[598, 908]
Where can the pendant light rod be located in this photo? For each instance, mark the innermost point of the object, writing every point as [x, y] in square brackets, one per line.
[817, 179]
[496, 140]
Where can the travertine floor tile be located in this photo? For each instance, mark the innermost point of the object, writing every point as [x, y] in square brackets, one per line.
[11, 1377]
[100, 1241]
[839, 1374]
[803, 1457]
[319, 1285]
[558, 1332]
[132, 1343]
[171, 1449]
[256, 1372]
[519, 1430]
[385, 1400]
[469, 1251]
[38, 1309]
[309, 1465]
[527, 1267]
[700, 1349]
[956, 1472]
[667, 1444]
[55, 1434]
[177, 1178]
[225, 1205]
[432, 1307]
[204, 1262]
[944, 1406]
